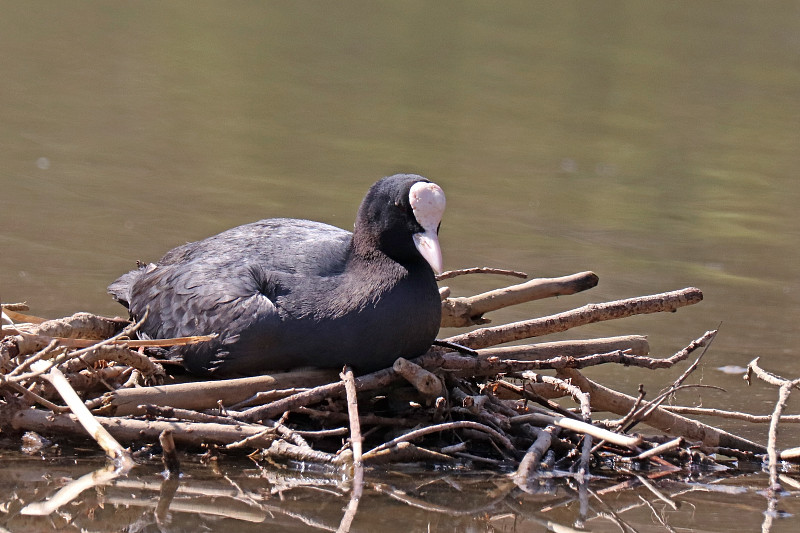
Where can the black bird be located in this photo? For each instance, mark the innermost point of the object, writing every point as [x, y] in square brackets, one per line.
[286, 293]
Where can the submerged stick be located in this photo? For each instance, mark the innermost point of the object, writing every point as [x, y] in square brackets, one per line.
[169, 454]
[587, 314]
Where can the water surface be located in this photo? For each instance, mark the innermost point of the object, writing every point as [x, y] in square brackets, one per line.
[655, 144]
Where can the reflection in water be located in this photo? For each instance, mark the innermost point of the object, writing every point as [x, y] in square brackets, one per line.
[71, 491]
[207, 499]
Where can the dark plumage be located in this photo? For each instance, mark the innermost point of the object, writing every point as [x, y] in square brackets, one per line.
[284, 293]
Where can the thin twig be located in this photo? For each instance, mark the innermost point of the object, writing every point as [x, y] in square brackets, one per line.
[480, 270]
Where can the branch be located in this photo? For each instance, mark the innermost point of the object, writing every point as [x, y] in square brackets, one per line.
[117, 453]
[480, 270]
[487, 363]
[631, 344]
[468, 311]
[378, 379]
[605, 399]
[206, 394]
[588, 314]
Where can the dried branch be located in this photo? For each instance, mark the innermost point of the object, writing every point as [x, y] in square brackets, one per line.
[627, 344]
[487, 363]
[411, 435]
[462, 312]
[785, 387]
[425, 382]
[578, 426]
[131, 430]
[480, 270]
[372, 381]
[117, 453]
[605, 399]
[206, 394]
[642, 412]
[588, 314]
[533, 456]
[734, 415]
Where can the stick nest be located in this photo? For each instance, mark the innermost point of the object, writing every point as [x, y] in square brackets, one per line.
[467, 402]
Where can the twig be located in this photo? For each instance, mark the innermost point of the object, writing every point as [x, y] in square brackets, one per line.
[372, 381]
[366, 419]
[355, 444]
[405, 452]
[44, 353]
[633, 410]
[661, 448]
[119, 353]
[533, 456]
[480, 270]
[784, 390]
[605, 399]
[705, 341]
[159, 411]
[352, 409]
[487, 364]
[734, 415]
[411, 435]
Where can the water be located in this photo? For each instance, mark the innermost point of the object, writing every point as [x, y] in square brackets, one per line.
[655, 144]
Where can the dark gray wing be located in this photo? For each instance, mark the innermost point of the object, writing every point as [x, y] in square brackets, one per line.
[229, 284]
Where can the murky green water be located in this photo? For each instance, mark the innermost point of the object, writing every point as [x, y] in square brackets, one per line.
[655, 144]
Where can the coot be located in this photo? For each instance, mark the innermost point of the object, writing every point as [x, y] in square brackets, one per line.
[285, 293]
